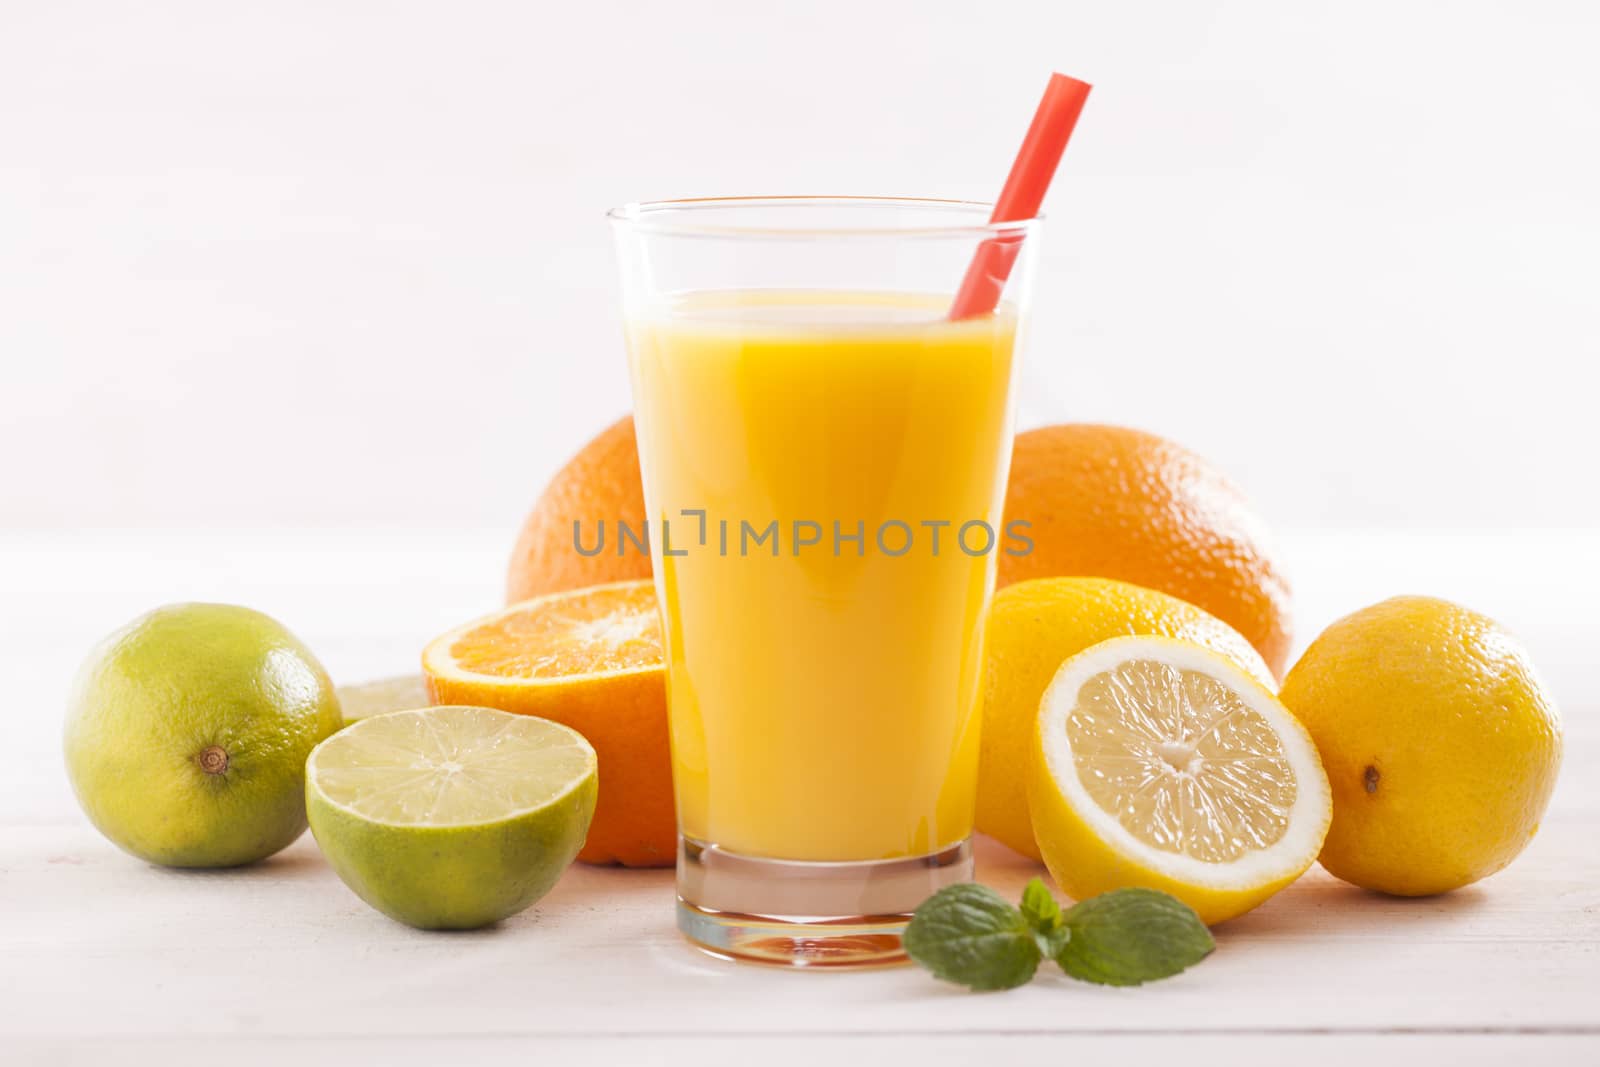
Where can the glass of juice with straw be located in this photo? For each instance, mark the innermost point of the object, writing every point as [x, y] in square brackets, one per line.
[823, 393]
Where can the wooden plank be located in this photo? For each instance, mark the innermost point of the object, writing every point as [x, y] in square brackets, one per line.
[807, 1050]
[98, 943]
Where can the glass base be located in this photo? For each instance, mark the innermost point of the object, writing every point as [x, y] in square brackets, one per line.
[801, 914]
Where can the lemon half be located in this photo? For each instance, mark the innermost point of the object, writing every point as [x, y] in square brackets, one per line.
[367, 699]
[1159, 763]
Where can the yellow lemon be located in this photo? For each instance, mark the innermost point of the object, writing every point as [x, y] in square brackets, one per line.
[1439, 738]
[1159, 763]
[1033, 626]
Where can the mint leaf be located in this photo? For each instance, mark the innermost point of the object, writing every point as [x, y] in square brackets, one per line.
[1130, 936]
[1039, 907]
[969, 935]
[1044, 915]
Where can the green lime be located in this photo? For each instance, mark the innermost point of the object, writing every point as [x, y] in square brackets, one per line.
[387, 694]
[188, 731]
[451, 817]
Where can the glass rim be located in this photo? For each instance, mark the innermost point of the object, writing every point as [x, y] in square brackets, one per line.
[673, 218]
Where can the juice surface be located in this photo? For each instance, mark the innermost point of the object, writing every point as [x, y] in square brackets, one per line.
[823, 690]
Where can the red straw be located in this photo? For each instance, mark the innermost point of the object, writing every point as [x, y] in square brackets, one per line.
[1024, 192]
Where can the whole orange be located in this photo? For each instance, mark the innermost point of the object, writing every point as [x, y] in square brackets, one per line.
[600, 484]
[1110, 502]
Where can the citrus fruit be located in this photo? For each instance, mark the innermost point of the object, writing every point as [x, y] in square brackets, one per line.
[1440, 740]
[451, 817]
[589, 658]
[400, 693]
[600, 484]
[1159, 763]
[1033, 626]
[1118, 503]
[187, 735]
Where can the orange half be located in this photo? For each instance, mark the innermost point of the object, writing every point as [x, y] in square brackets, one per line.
[604, 629]
[590, 659]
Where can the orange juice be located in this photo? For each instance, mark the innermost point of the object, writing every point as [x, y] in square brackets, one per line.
[824, 474]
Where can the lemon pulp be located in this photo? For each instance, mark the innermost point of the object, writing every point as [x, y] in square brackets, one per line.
[1181, 761]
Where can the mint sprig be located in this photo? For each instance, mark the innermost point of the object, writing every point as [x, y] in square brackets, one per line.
[969, 935]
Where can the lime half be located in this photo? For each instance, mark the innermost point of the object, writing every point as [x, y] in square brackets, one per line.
[451, 817]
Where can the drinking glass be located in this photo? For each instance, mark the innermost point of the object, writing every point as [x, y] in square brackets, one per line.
[824, 456]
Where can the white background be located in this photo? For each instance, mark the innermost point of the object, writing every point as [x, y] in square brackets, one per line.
[330, 264]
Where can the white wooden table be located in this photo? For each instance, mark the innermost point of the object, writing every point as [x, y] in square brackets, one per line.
[104, 959]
